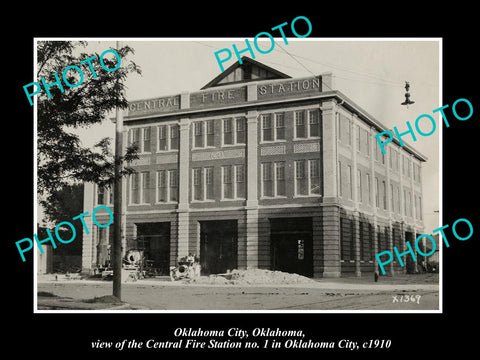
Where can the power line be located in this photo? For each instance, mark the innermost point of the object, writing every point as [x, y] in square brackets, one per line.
[379, 80]
[296, 60]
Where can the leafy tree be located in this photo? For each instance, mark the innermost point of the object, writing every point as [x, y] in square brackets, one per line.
[63, 205]
[62, 159]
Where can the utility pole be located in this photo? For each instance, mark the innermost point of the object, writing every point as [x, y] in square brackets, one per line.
[117, 204]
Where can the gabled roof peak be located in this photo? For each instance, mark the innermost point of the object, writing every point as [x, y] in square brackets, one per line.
[248, 70]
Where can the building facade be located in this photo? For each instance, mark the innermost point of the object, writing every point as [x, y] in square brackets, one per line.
[260, 170]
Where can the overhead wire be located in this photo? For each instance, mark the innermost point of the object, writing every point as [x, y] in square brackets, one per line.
[377, 80]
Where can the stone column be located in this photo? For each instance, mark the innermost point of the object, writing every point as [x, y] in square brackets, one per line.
[331, 241]
[252, 191]
[389, 195]
[329, 148]
[373, 195]
[183, 189]
[331, 210]
[355, 197]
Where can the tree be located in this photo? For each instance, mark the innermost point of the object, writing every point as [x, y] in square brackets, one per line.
[63, 205]
[62, 159]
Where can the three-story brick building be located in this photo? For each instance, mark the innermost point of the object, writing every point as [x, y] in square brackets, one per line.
[260, 170]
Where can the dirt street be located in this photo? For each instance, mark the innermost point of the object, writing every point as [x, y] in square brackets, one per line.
[341, 294]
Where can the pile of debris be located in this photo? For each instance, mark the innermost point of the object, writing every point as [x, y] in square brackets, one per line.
[253, 277]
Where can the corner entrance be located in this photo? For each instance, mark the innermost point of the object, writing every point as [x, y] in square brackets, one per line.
[292, 249]
[154, 240]
[218, 246]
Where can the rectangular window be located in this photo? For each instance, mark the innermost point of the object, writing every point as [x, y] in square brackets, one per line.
[314, 172]
[359, 185]
[377, 151]
[350, 182]
[300, 129]
[209, 189]
[162, 138]
[340, 180]
[410, 207]
[358, 142]
[210, 132]
[367, 136]
[240, 131]
[420, 208]
[135, 137]
[146, 139]
[398, 200]
[416, 205]
[267, 181]
[198, 134]
[301, 179]
[405, 202]
[227, 182]
[240, 181]
[173, 185]
[392, 205]
[145, 187]
[173, 137]
[348, 131]
[197, 184]
[280, 126]
[101, 195]
[227, 132]
[369, 189]
[267, 131]
[384, 194]
[280, 178]
[377, 195]
[314, 123]
[134, 188]
[161, 186]
[110, 194]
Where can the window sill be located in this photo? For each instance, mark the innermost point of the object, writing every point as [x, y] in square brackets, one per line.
[273, 197]
[307, 138]
[280, 141]
[166, 203]
[233, 145]
[166, 151]
[236, 199]
[203, 148]
[307, 196]
[202, 201]
[142, 204]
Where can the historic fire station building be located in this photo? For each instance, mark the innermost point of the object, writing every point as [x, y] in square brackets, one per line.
[261, 170]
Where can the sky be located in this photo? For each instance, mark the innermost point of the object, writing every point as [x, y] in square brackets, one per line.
[371, 72]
